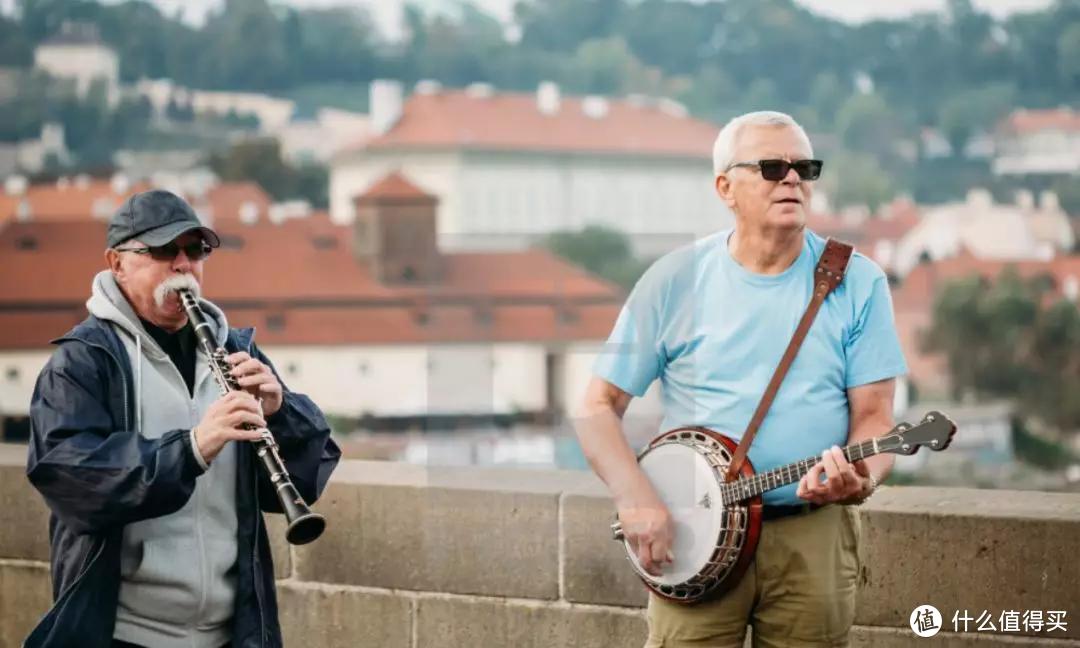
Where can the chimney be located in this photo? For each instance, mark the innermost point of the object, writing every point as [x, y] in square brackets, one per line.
[547, 98]
[1025, 200]
[120, 184]
[480, 90]
[1071, 288]
[979, 198]
[15, 185]
[386, 105]
[395, 232]
[594, 107]
[427, 87]
[1049, 202]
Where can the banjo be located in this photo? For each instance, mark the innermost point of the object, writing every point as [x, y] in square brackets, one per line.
[718, 522]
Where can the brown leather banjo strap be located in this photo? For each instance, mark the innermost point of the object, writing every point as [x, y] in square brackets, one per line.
[827, 276]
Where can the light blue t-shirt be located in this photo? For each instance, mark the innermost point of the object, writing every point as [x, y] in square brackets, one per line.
[713, 333]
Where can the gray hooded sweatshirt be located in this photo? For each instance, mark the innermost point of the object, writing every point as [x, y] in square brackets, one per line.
[178, 571]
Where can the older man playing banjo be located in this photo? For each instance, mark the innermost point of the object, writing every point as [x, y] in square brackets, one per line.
[712, 321]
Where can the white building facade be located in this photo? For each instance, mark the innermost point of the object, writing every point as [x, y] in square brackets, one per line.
[76, 53]
[508, 169]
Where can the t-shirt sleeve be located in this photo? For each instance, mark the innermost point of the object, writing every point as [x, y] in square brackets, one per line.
[872, 349]
[633, 358]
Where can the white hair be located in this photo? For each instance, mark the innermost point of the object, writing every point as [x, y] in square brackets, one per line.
[173, 284]
[723, 155]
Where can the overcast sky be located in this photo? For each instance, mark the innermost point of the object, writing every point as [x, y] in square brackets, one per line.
[386, 11]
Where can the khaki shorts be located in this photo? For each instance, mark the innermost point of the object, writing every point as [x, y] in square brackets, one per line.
[798, 591]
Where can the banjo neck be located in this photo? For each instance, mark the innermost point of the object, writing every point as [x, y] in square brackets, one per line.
[747, 487]
[934, 431]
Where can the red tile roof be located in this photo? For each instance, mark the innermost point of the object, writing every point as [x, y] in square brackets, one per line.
[226, 199]
[394, 186]
[1031, 121]
[509, 121]
[921, 284]
[96, 198]
[305, 272]
[91, 198]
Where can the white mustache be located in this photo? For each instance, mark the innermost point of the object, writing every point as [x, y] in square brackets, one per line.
[173, 284]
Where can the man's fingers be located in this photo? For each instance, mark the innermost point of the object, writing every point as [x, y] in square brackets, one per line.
[659, 552]
[242, 417]
[251, 380]
[240, 434]
[249, 366]
[644, 556]
[813, 479]
[237, 358]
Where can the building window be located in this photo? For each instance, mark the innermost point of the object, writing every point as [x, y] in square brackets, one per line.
[324, 242]
[275, 322]
[229, 242]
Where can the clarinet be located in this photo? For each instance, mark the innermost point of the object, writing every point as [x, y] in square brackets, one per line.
[304, 525]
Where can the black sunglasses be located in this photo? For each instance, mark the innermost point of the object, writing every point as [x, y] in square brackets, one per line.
[776, 170]
[196, 251]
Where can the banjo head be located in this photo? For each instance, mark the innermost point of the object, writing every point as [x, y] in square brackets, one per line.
[685, 481]
[713, 541]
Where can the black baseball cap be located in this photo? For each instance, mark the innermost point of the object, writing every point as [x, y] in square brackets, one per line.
[156, 217]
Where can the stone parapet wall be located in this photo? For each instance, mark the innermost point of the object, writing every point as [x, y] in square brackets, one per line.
[418, 557]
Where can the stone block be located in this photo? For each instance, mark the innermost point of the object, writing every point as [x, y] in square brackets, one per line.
[454, 622]
[343, 617]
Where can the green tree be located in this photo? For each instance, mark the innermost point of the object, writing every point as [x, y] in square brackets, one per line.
[970, 111]
[827, 95]
[856, 179]
[602, 251]
[15, 48]
[562, 25]
[1068, 50]
[603, 66]
[244, 48]
[1002, 341]
[260, 160]
[1068, 193]
[866, 123]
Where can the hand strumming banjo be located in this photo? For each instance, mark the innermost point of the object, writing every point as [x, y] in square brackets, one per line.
[718, 522]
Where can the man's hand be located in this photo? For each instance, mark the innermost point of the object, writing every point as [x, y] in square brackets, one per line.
[223, 422]
[651, 533]
[846, 483]
[258, 380]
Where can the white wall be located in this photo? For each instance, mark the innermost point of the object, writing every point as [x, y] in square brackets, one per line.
[492, 200]
[407, 380]
[273, 113]
[83, 63]
[1043, 152]
[18, 372]
[416, 380]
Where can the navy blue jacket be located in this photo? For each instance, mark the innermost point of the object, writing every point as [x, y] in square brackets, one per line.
[98, 474]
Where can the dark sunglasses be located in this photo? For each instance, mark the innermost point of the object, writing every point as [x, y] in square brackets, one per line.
[196, 251]
[776, 170]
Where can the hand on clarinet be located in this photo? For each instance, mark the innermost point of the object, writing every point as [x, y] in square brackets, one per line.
[844, 482]
[258, 380]
[224, 421]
